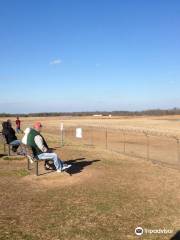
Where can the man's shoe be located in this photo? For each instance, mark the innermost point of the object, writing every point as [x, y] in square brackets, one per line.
[21, 152]
[66, 166]
[47, 168]
[14, 148]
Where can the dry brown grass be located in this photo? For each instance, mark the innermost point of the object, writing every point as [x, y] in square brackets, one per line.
[101, 200]
[106, 200]
[164, 124]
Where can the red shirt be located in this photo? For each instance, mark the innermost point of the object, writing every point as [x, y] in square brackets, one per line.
[18, 123]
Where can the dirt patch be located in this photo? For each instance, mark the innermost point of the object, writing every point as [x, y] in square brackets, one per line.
[54, 179]
[84, 168]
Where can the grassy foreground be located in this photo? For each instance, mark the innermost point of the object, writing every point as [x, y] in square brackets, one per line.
[106, 197]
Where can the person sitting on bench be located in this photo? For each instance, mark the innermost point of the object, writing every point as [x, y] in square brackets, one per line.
[47, 165]
[10, 135]
[40, 148]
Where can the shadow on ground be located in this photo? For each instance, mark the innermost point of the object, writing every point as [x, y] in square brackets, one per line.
[78, 165]
[176, 236]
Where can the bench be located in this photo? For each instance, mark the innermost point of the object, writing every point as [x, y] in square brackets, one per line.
[8, 146]
[32, 159]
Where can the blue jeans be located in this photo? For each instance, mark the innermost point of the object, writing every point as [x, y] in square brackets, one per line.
[18, 130]
[57, 162]
[15, 143]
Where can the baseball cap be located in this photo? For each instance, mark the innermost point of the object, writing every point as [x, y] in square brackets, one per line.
[37, 125]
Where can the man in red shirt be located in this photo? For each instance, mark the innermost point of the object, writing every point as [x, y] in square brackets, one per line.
[18, 125]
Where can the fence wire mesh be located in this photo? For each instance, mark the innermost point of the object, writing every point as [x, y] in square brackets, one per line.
[157, 147]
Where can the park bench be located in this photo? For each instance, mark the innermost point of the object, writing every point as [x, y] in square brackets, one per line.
[8, 146]
[33, 159]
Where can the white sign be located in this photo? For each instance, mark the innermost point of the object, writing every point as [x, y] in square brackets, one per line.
[79, 132]
[61, 126]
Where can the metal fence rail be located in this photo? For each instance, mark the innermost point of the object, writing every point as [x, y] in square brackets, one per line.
[154, 146]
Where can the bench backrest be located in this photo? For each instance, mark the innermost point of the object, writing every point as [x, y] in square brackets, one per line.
[2, 138]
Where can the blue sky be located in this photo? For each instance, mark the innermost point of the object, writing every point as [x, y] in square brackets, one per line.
[66, 55]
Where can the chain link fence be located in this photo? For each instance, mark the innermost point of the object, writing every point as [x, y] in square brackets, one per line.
[152, 146]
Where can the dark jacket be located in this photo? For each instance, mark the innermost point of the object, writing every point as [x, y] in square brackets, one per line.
[8, 132]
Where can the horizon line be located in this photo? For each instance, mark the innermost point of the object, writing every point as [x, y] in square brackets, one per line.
[96, 111]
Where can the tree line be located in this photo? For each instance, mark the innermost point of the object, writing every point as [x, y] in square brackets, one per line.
[150, 112]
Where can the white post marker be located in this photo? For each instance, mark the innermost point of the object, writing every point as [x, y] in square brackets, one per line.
[62, 133]
[62, 126]
[79, 132]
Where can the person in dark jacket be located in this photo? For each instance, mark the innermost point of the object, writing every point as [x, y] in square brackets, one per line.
[10, 135]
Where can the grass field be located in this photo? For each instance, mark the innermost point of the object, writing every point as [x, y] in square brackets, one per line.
[169, 124]
[104, 196]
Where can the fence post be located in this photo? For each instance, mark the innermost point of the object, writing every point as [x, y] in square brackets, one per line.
[62, 137]
[147, 145]
[178, 150]
[62, 133]
[124, 138]
[91, 136]
[106, 138]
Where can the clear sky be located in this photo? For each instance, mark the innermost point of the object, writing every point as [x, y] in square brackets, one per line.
[83, 55]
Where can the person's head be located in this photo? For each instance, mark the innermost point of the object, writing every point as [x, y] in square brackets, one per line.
[38, 126]
[9, 122]
[17, 118]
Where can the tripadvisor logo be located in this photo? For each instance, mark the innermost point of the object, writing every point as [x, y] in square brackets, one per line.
[139, 231]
